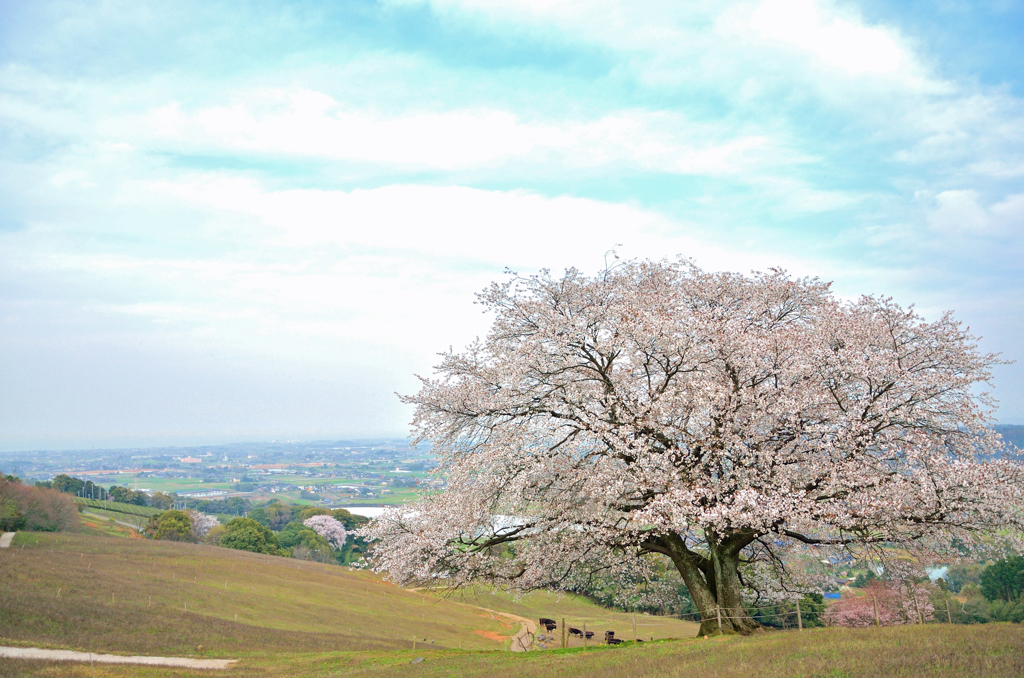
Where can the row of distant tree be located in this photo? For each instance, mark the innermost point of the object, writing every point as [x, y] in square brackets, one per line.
[89, 489]
[309, 533]
[160, 500]
[273, 527]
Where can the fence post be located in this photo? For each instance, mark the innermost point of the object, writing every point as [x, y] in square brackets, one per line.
[718, 611]
[874, 601]
[634, 628]
[949, 617]
[584, 637]
[563, 633]
[799, 619]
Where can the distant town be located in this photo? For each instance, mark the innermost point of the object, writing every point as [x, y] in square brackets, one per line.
[359, 472]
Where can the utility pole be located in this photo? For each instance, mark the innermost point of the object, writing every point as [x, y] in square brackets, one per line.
[799, 619]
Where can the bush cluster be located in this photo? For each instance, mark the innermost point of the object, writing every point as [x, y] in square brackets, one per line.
[23, 507]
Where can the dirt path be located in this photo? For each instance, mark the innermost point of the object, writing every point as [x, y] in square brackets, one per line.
[6, 539]
[69, 656]
[119, 522]
[523, 638]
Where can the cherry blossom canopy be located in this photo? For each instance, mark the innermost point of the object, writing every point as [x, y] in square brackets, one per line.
[720, 420]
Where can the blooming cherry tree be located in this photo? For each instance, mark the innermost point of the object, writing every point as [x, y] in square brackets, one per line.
[716, 419]
[881, 603]
[202, 523]
[330, 529]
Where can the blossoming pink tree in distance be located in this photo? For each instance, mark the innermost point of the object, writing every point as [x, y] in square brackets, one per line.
[722, 421]
[893, 602]
[202, 523]
[328, 528]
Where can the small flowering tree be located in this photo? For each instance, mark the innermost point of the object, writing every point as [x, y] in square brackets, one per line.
[894, 602]
[330, 529]
[719, 420]
[202, 523]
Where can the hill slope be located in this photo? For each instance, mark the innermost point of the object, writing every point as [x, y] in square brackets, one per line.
[129, 596]
[99, 592]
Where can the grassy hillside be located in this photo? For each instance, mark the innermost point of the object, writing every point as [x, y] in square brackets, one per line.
[578, 611]
[303, 619]
[139, 596]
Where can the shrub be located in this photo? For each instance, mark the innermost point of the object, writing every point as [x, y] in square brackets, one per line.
[307, 513]
[161, 500]
[349, 520]
[1003, 579]
[246, 534]
[23, 507]
[213, 537]
[126, 496]
[959, 576]
[170, 525]
[274, 515]
[314, 548]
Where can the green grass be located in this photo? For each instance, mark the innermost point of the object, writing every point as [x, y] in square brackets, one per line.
[577, 612]
[100, 526]
[136, 521]
[303, 619]
[130, 596]
[118, 507]
[176, 484]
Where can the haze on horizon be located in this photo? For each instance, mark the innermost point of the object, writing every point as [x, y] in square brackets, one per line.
[228, 221]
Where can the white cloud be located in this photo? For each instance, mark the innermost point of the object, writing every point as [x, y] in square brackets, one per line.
[842, 42]
[383, 271]
[493, 228]
[711, 39]
[310, 123]
[1011, 212]
[960, 213]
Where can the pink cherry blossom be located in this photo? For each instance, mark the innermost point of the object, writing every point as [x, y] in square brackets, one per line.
[732, 424]
[894, 603]
[328, 528]
[202, 523]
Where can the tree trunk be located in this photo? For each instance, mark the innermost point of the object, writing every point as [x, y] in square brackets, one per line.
[713, 580]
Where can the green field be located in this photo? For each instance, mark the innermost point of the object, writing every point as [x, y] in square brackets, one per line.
[118, 507]
[397, 495]
[94, 591]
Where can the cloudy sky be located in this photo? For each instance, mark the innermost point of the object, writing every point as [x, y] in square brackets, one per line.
[257, 220]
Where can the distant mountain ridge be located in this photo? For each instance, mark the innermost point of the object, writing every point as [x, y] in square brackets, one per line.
[1012, 434]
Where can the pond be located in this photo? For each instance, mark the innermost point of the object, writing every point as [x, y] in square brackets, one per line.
[368, 511]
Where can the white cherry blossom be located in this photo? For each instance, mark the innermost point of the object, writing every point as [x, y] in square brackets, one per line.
[329, 528]
[723, 421]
